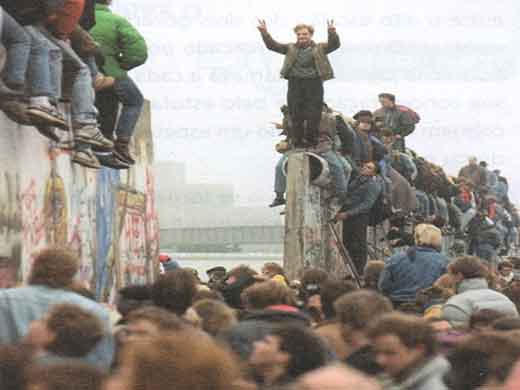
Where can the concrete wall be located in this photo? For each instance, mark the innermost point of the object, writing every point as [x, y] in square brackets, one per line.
[108, 217]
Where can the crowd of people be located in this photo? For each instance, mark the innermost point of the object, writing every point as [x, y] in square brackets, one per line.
[419, 322]
[375, 176]
[76, 52]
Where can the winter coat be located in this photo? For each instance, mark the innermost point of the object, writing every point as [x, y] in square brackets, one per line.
[427, 377]
[363, 192]
[407, 273]
[472, 296]
[66, 19]
[403, 194]
[122, 45]
[396, 120]
[320, 51]
[19, 307]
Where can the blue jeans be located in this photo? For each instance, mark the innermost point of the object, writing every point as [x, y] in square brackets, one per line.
[280, 180]
[44, 63]
[126, 92]
[18, 46]
[337, 172]
[76, 72]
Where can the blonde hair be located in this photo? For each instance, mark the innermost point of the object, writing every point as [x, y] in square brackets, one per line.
[428, 235]
[302, 26]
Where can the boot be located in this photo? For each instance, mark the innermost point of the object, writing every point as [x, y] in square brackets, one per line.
[278, 201]
[47, 116]
[122, 150]
[86, 158]
[111, 161]
[90, 134]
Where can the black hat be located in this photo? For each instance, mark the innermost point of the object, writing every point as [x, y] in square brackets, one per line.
[362, 113]
[215, 269]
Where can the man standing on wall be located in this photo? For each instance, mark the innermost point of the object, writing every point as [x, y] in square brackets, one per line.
[306, 67]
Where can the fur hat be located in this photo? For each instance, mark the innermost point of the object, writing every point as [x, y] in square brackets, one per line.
[363, 113]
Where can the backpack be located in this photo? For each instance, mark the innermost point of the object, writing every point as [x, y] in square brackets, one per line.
[413, 115]
[382, 208]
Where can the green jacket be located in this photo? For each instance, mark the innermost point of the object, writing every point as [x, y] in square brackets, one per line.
[123, 46]
[320, 51]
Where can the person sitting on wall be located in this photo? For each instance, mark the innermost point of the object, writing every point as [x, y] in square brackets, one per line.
[306, 67]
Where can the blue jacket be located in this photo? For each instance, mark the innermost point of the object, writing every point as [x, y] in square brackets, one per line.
[363, 192]
[21, 306]
[408, 272]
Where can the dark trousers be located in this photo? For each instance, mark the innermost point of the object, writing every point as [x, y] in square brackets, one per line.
[305, 102]
[355, 240]
[126, 92]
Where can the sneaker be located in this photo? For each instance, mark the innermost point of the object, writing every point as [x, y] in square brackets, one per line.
[111, 161]
[47, 116]
[122, 150]
[85, 158]
[277, 202]
[91, 135]
[48, 132]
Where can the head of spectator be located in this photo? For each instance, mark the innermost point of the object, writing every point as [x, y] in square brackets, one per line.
[208, 294]
[151, 321]
[54, 268]
[482, 361]
[372, 272]
[274, 271]
[216, 275]
[505, 269]
[483, 320]
[262, 295]
[216, 316]
[370, 168]
[179, 361]
[330, 291]
[387, 100]
[465, 268]
[387, 136]
[72, 375]
[304, 33]
[406, 348]
[286, 353]
[174, 291]
[355, 311]
[335, 377]
[13, 362]
[66, 331]
[364, 120]
[429, 236]
[235, 282]
[133, 297]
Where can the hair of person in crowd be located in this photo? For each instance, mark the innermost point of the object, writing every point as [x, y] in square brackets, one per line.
[133, 297]
[208, 294]
[174, 291]
[469, 267]
[428, 236]
[269, 293]
[215, 316]
[54, 267]
[161, 320]
[303, 26]
[13, 362]
[386, 95]
[183, 360]
[372, 272]
[412, 331]
[330, 291]
[506, 324]
[72, 331]
[358, 309]
[65, 376]
[335, 377]
[482, 361]
[484, 319]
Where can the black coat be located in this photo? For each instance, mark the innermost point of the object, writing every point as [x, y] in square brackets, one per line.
[88, 18]
[29, 12]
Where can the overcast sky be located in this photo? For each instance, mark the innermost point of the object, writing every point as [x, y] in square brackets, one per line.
[214, 87]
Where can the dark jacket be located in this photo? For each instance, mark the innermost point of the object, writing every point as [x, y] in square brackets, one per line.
[320, 51]
[396, 120]
[364, 360]
[280, 314]
[407, 273]
[29, 12]
[88, 19]
[363, 192]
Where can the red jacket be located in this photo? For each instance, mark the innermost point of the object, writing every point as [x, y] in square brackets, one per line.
[63, 22]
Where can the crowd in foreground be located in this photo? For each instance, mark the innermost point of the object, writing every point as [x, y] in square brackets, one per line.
[249, 330]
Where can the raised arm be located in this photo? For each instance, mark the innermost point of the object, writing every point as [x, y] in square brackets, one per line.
[333, 42]
[270, 43]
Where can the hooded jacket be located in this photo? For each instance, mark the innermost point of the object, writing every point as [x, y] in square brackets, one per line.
[122, 45]
[319, 50]
[427, 377]
[407, 273]
[472, 296]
